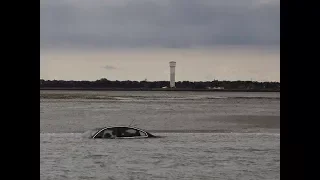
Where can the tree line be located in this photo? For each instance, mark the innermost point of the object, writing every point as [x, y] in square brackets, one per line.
[105, 83]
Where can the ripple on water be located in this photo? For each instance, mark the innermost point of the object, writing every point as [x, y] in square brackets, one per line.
[176, 156]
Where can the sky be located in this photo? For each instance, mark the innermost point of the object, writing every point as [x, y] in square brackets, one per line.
[136, 39]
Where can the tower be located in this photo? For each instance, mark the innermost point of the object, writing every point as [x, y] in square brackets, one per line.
[172, 73]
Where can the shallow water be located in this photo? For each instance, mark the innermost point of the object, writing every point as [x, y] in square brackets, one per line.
[237, 138]
[160, 111]
[175, 156]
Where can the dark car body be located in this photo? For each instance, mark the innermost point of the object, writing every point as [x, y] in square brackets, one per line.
[119, 132]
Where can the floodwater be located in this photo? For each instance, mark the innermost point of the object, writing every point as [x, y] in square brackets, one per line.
[206, 135]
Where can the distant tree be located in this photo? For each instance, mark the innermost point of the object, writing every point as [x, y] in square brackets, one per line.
[105, 83]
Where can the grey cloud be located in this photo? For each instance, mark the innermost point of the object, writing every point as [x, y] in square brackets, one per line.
[165, 23]
[109, 67]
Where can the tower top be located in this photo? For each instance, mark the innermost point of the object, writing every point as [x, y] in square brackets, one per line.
[172, 63]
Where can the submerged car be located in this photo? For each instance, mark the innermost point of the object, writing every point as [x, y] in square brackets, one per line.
[119, 132]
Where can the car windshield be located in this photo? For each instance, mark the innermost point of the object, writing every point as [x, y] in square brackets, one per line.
[90, 133]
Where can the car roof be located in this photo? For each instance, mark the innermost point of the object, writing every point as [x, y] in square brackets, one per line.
[132, 127]
[122, 127]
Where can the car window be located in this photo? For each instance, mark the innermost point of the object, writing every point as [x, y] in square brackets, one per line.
[131, 131]
[128, 132]
[142, 133]
[106, 133]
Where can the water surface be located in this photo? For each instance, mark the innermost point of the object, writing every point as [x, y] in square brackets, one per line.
[207, 135]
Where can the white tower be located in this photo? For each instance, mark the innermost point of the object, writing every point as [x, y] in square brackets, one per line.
[172, 74]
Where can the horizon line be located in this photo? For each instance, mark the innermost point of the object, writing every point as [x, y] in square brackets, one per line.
[164, 80]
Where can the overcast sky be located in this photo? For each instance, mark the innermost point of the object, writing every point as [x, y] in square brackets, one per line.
[136, 39]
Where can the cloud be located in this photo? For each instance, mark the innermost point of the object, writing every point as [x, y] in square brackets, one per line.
[109, 67]
[153, 23]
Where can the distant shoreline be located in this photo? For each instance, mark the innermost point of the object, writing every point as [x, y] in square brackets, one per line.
[159, 89]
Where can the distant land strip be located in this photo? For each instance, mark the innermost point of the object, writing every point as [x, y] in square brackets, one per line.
[107, 85]
[160, 89]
